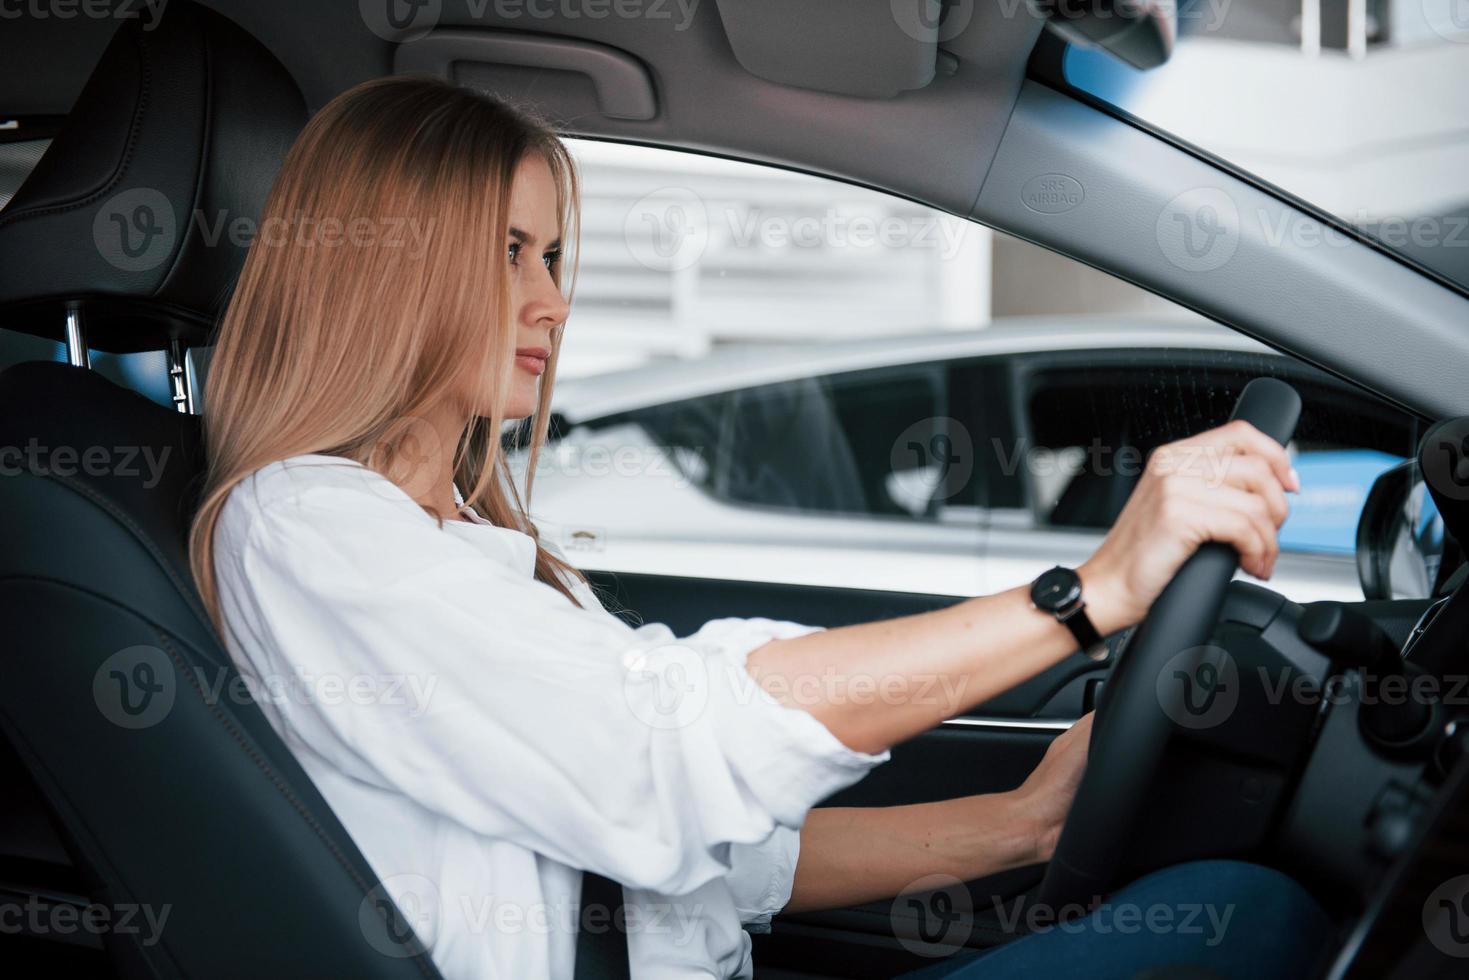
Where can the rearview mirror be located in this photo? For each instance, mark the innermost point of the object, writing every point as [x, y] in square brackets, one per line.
[1138, 32]
[1400, 537]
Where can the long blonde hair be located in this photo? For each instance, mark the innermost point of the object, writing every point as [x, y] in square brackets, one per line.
[349, 320]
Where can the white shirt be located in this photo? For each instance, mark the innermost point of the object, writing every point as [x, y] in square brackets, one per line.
[483, 740]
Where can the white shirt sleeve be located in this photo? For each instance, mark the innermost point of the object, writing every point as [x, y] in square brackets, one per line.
[762, 876]
[629, 752]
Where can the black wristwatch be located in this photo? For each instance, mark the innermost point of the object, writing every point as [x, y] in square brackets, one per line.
[1058, 592]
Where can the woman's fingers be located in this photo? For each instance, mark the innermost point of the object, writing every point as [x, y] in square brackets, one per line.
[1253, 474]
[1236, 517]
[1262, 528]
[1240, 437]
[1227, 484]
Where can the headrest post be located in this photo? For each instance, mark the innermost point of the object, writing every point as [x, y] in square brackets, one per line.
[76, 341]
[183, 391]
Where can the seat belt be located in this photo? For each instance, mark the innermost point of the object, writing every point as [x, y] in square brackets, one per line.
[602, 954]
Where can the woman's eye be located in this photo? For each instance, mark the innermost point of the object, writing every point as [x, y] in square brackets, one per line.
[514, 253]
[551, 258]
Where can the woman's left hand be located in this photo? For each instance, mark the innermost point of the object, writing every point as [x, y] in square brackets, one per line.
[1045, 797]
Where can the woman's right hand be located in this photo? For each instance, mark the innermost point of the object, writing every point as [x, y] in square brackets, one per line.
[1227, 484]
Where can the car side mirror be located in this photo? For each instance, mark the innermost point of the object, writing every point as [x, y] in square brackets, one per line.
[1400, 536]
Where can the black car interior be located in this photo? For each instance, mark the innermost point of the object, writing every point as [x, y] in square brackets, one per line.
[137, 775]
[205, 805]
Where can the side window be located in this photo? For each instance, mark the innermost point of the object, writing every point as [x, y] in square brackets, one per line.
[859, 443]
[771, 375]
[1096, 422]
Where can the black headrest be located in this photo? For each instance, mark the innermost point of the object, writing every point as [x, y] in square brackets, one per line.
[134, 213]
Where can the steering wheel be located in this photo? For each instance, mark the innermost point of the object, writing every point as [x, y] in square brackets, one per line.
[1135, 714]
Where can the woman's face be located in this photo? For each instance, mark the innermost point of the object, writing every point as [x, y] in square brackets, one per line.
[536, 304]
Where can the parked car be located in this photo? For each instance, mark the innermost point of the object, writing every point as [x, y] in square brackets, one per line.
[952, 462]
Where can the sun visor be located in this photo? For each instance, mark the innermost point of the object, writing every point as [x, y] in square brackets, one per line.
[565, 79]
[874, 49]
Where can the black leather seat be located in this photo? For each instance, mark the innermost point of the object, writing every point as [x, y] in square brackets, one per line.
[170, 790]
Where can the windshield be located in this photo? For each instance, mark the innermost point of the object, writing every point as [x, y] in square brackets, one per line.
[1358, 107]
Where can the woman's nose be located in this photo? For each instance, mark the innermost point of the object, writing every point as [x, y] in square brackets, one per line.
[547, 304]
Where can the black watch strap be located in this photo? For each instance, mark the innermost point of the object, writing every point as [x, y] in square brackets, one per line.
[1087, 637]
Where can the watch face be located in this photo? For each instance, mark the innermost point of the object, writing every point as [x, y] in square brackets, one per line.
[1056, 589]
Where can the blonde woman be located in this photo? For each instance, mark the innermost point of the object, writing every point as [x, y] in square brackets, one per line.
[484, 729]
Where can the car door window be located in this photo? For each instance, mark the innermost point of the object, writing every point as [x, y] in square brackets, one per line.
[869, 443]
[1099, 416]
[820, 383]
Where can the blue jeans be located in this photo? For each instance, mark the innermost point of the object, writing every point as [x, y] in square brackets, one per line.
[1226, 919]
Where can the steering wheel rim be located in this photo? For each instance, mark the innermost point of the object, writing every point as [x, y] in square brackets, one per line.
[1136, 714]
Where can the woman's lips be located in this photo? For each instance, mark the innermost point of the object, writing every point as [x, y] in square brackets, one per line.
[532, 359]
